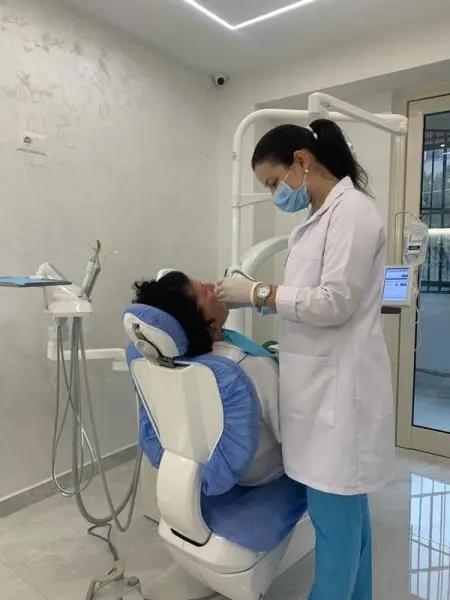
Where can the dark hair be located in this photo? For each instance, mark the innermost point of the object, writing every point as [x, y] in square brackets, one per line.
[326, 142]
[172, 294]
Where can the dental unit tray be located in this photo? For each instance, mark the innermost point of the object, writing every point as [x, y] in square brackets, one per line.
[25, 281]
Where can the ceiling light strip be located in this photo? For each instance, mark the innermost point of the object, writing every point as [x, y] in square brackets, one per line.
[210, 14]
[272, 14]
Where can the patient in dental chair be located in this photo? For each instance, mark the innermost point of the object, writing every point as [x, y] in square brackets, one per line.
[195, 306]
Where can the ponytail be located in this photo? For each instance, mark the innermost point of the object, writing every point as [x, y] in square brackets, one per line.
[326, 142]
[334, 153]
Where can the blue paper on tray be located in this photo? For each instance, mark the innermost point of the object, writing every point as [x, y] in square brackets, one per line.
[23, 281]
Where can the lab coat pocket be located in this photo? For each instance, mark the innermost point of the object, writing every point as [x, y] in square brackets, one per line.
[308, 388]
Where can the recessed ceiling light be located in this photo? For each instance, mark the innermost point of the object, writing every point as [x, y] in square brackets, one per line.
[272, 14]
[209, 14]
[259, 19]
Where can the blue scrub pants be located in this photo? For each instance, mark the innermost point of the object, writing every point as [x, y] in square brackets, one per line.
[343, 546]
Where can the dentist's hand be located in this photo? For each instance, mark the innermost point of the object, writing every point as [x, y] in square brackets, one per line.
[236, 291]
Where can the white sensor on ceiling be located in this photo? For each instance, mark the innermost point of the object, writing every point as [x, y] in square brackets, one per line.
[259, 19]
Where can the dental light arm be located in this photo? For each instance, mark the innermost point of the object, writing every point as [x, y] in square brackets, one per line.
[258, 254]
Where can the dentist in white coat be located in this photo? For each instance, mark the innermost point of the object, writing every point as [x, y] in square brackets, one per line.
[336, 400]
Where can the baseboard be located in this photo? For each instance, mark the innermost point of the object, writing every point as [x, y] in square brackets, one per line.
[45, 489]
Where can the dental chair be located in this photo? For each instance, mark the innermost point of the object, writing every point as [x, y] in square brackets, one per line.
[200, 427]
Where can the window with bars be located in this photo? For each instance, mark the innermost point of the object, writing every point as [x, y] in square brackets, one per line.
[429, 538]
[435, 202]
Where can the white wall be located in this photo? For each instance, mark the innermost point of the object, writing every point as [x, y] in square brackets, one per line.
[129, 131]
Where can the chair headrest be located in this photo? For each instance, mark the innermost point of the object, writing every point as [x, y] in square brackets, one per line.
[152, 330]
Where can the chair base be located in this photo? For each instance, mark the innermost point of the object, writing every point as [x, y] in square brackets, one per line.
[228, 569]
[234, 572]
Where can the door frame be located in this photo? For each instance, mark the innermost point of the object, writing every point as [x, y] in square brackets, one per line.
[408, 435]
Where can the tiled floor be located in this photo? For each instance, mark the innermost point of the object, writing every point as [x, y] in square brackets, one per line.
[46, 555]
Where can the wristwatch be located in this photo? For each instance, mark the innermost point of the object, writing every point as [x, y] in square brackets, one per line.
[261, 294]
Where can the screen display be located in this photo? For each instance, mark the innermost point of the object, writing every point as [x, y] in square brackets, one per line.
[396, 284]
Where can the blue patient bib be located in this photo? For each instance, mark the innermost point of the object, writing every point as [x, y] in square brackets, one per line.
[246, 344]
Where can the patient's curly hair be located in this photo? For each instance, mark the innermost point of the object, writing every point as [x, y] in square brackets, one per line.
[173, 294]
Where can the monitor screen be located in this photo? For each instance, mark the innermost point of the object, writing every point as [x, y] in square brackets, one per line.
[396, 284]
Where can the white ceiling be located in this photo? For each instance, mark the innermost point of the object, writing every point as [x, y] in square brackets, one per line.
[190, 36]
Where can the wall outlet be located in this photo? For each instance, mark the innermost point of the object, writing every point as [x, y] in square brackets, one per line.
[33, 142]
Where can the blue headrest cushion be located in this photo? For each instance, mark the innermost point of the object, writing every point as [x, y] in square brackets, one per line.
[161, 320]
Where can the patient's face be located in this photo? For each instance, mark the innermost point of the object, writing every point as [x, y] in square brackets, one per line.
[208, 302]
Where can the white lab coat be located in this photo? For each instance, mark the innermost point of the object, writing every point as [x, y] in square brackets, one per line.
[336, 399]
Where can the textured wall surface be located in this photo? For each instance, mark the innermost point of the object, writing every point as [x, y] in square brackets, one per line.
[131, 160]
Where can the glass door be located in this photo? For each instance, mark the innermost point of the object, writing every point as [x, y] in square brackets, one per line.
[424, 357]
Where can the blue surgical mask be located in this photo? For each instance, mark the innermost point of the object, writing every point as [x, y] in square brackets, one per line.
[289, 200]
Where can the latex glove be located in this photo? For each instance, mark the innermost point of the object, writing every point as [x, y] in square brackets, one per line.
[236, 291]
